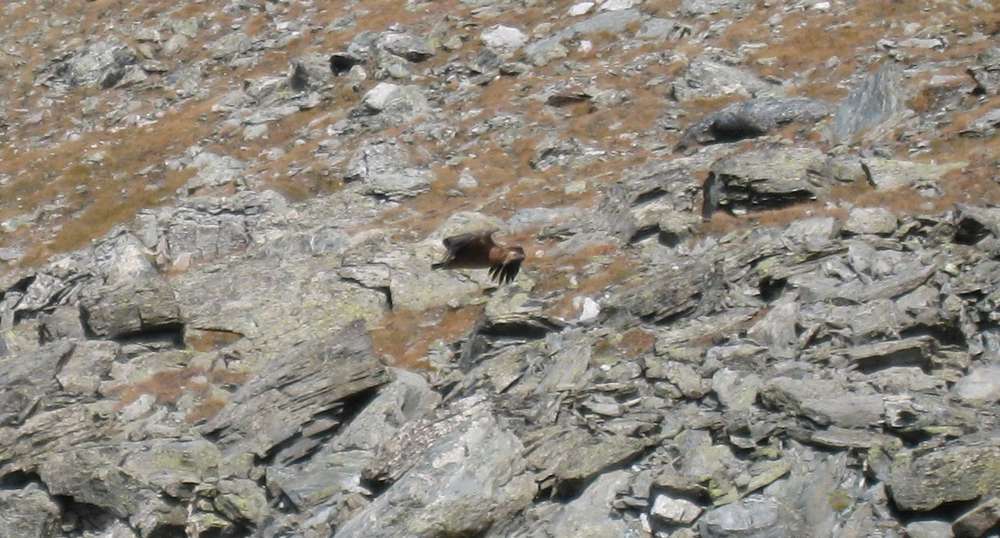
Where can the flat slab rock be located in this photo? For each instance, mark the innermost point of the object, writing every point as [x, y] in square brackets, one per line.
[312, 379]
[922, 482]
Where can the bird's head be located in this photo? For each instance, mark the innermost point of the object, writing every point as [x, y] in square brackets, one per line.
[515, 254]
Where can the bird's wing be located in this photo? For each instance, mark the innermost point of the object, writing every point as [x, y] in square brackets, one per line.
[483, 240]
[510, 271]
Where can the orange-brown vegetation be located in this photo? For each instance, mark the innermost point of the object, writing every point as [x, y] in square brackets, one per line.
[403, 336]
[208, 339]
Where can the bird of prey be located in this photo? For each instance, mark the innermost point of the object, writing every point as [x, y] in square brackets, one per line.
[477, 250]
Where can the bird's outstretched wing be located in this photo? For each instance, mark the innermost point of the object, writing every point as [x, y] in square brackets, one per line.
[478, 240]
[504, 273]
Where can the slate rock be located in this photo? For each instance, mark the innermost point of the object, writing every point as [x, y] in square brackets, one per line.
[675, 510]
[765, 179]
[504, 39]
[929, 529]
[28, 513]
[981, 386]
[103, 63]
[875, 102]
[870, 220]
[753, 118]
[314, 378]
[460, 482]
[406, 45]
[131, 308]
[885, 174]
[710, 79]
[986, 72]
[980, 520]
[754, 517]
[922, 482]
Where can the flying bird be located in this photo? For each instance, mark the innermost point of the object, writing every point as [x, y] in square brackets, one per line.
[477, 250]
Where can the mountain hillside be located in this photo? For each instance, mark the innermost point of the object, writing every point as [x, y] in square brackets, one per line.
[760, 296]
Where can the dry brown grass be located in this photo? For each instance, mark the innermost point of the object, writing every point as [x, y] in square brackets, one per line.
[205, 410]
[114, 190]
[614, 270]
[404, 336]
[166, 386]
[209, 340]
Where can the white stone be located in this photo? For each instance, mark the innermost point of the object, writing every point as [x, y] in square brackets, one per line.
[378, 97]
[504, 38]
[589, 309]
[679, 511]
[616, 5]
[580, 9]
[980, 386]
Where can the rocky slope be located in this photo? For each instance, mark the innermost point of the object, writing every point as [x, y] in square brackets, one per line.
[760, 299]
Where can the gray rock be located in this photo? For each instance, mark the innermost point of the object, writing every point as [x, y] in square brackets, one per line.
[405, 45]
[308, 387]
[461, 482]
[589, 515]
[402, 101]
[985, 125]
[870, 106]
[613, 22]
[230, 46]
[980, 520]
[543, 51]
[753, 517]
[675, 510]
[241, 500]
[28, 513]
[929, 529]
[980, 387]
[766, 178]
[215, 172]
[986, 72]
[706, 7]
[132, 308]
[885, 174]
[870, 220]
[922, 482]
[823, 402]
[103, 63]
[657, 29]
[503, 39]
[709, 79]
[753, 118]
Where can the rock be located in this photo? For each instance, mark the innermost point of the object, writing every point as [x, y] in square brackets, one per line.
[870, 220]
[922, 482]
[503, 39]
[823, 402]
[885, 174]
[28, 513]
[587, 515]
[756, 516]
[459, 482]
[581, 8]
[929, 529]
[230, 46]
[981, 386]
[613, 22]
[543, 51]
[871, 106]
[710, 79]
[215, 173]
[405, 45]
[986, 72]
[315, 379]
[980, 520]
[675, 510]
[103, 63]
[766, 178]
[129, 309]
[706, 7]
[657, 29]
[241, 500]
[402, 101]
[752, 118]
[985, 125]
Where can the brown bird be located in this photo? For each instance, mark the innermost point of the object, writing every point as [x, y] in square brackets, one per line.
[476, 250]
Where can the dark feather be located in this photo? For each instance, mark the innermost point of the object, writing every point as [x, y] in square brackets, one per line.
[483, 240]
